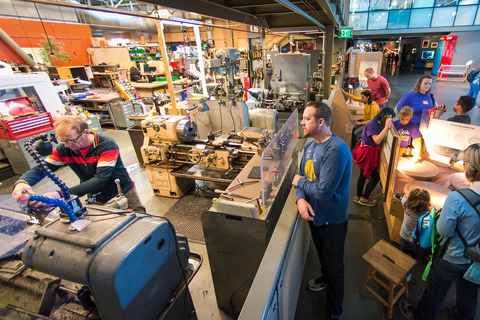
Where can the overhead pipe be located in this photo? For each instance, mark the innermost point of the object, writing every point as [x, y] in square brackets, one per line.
[5, 37]
[293, 7]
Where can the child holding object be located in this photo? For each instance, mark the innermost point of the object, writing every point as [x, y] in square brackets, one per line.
[409, 133]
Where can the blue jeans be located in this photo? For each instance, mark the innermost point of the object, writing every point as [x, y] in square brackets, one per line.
[382, 105]
[473, 92]
[439, 280]
[329, 241]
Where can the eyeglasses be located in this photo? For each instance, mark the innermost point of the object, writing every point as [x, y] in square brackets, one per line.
[71, 140]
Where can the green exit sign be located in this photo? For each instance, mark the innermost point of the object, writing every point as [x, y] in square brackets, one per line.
[345, 33]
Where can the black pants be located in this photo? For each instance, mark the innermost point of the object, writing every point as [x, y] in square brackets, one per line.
[372, 183]
[329, 241]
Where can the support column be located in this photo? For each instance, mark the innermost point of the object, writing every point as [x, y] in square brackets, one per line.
[200, 60]
[163, 47]
[329, 37]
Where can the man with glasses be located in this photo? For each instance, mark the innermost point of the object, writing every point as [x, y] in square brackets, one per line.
[94, 158]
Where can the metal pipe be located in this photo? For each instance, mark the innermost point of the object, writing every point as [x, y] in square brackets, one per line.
[5, 37]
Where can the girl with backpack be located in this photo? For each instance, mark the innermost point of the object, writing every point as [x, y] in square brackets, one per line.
[416, 204]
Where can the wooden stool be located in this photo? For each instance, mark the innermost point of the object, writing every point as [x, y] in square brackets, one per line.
[391, 263]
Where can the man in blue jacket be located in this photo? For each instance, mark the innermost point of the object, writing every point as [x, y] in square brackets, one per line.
[323, 188]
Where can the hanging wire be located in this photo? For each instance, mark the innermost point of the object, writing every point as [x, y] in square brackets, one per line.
[46, 34]
[68, 33]
[25, 32]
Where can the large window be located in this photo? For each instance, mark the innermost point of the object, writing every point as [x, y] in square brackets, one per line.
[423, 3]
[420, 18]
[465, 15]
[358, 21]
[398, 19]
[358, 5]
[379, 5]
[444, 17]
[377, 20]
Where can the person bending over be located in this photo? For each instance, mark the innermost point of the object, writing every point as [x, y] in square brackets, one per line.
[94, 158]
[366, 155]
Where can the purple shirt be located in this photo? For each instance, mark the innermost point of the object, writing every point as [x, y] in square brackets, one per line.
[372, 128]
[407, 132]
[418, 102]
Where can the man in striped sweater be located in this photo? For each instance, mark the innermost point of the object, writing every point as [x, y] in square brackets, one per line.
[94, 158]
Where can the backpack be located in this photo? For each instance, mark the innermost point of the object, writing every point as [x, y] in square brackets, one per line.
[426, 238]
[471, 76]
[422, 235]
[471, 252]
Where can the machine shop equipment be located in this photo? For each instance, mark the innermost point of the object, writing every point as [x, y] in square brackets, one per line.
[134, 264]
[292, 80]
[14, 133]
[170, 150]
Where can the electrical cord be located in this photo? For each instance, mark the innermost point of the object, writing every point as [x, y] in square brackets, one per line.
[31, 150]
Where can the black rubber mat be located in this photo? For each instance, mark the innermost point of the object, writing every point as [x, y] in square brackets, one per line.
[186, 215]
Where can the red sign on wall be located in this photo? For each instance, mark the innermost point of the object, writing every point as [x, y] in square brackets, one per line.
[448, 50]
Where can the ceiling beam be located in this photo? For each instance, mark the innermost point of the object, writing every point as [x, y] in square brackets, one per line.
[328, 11]
[211, 9]
[302, 13]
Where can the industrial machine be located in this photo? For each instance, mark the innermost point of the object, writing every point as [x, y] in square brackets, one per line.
[14, 133]
[292, 80]
[132, 264]
[170, 148]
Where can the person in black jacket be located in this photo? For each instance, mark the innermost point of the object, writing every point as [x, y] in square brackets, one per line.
[94, 158]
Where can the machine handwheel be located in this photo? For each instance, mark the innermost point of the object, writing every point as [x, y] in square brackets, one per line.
[193, 156]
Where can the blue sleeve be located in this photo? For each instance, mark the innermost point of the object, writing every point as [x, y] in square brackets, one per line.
[333, 169]
[299, 191]
[433, 99]
[35, 175]
[447, 222]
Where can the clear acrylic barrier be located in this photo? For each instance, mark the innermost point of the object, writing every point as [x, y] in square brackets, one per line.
[276, 160]
[13, 226]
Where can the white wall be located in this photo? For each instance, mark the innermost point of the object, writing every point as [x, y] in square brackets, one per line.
[467, 48]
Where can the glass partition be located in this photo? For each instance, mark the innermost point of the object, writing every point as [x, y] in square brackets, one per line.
[276, 160]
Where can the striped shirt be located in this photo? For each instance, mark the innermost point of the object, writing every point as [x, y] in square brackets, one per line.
[97, 169]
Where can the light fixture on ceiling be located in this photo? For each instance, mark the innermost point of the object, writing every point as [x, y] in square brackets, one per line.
[295, 31]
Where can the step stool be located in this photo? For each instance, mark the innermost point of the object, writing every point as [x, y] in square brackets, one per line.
[391, 263]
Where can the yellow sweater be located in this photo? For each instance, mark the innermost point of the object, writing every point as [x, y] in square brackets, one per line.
[371, 110]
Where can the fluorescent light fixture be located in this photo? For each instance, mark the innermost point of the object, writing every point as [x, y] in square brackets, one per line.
[295, 31]
[185, 21]
[178, 23]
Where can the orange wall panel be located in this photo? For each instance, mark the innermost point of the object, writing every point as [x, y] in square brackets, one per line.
[26, 33]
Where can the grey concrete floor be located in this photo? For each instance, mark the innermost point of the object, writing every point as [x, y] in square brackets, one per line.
[366, 226]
